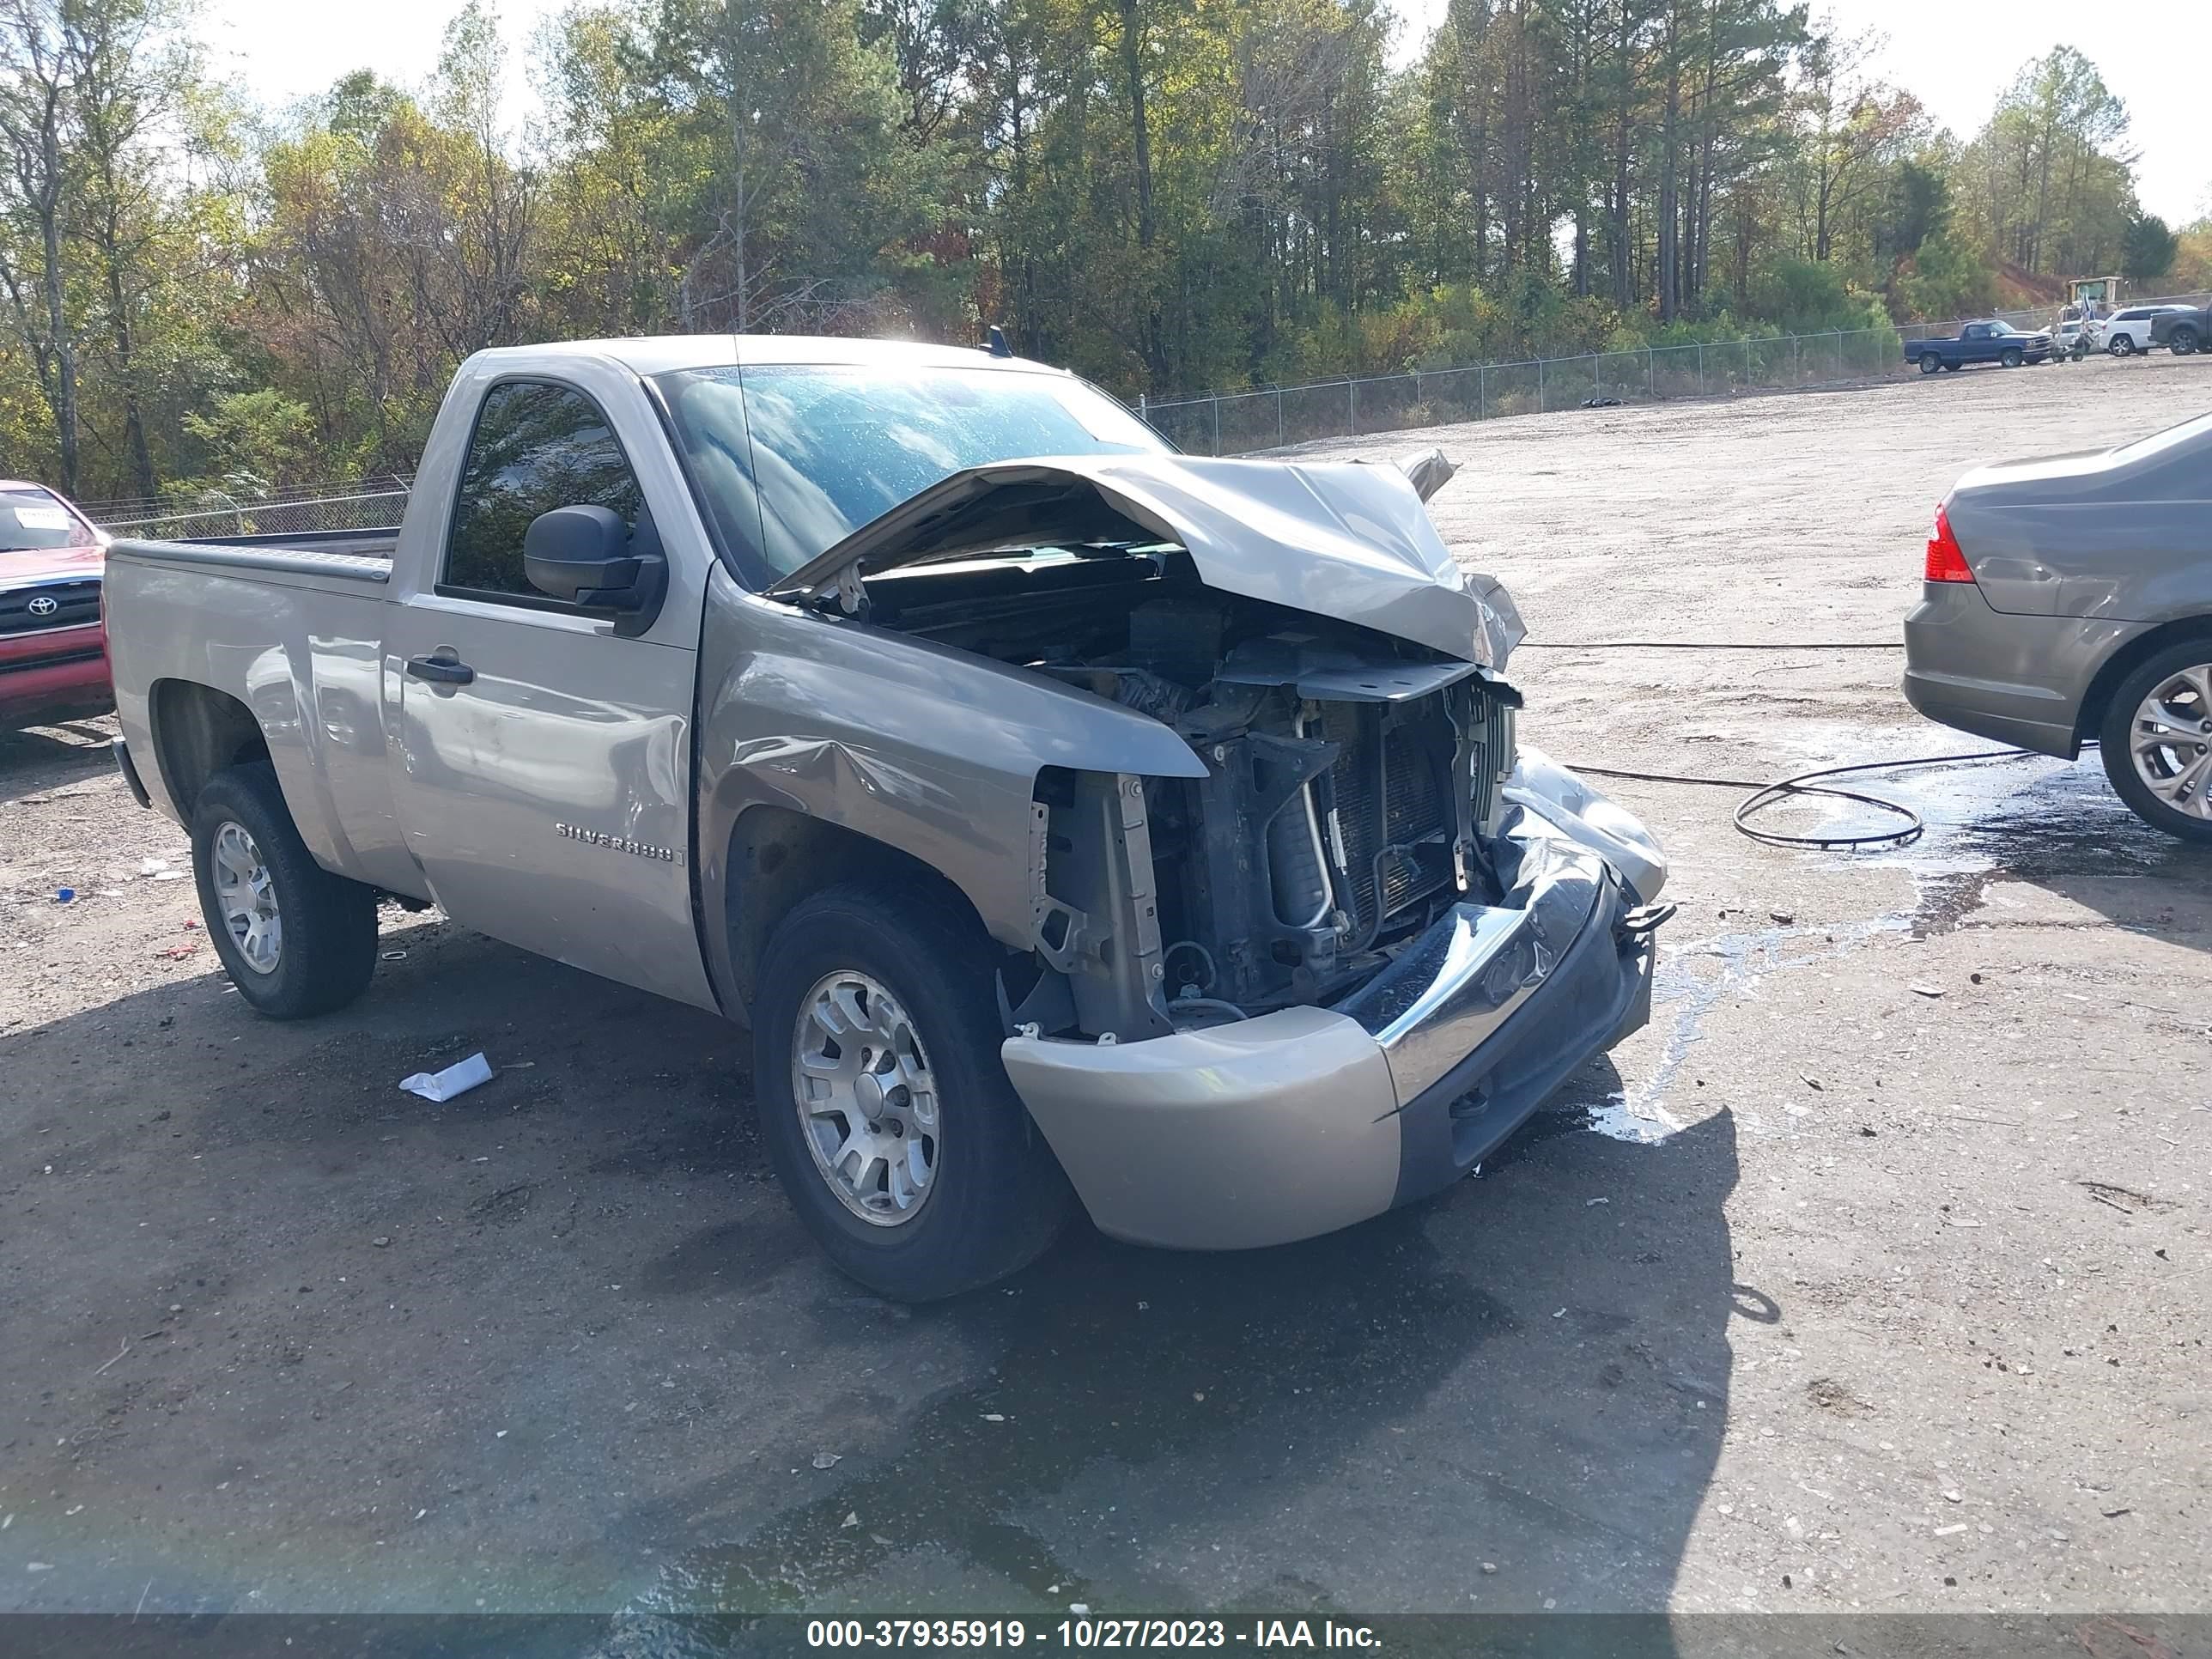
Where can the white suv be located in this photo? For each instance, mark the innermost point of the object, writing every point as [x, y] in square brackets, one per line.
[2126, 332]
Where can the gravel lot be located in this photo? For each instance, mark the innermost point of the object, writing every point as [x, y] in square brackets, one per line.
[1821, 1294]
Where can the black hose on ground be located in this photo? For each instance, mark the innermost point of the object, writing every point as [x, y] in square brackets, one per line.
[1765, 795]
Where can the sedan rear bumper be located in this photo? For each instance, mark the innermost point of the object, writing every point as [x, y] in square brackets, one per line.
[2012, 677]
[1307, 1120]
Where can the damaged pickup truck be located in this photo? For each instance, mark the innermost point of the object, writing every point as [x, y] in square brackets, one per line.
[1071, 820]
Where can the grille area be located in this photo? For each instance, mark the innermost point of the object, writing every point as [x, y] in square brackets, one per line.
[1493, 759]
[76, 604]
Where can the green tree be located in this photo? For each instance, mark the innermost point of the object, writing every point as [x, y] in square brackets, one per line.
[2148, 249]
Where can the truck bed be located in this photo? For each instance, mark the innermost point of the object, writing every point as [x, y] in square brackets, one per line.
[350, 555]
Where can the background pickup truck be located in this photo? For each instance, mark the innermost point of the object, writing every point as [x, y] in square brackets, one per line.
[2183, 331]
[1113, 826]
[1979, 343]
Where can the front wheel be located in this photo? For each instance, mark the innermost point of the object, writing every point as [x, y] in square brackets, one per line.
[2182, 342]
[2012, 357]
[2156, 740]
[886, 1110]
[2122, 345]
[295, 940]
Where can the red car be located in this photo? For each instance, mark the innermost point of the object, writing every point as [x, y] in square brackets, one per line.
[53, 648]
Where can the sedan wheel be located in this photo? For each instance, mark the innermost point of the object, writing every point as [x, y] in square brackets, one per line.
[2171, 742]
[2157, 740]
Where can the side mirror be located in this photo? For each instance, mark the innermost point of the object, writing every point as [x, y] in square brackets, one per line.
[588, 556]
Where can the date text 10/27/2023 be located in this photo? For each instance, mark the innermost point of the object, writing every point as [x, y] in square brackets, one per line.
[1088, 1633]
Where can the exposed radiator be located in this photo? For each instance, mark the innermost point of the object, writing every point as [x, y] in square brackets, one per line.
[1388, 796]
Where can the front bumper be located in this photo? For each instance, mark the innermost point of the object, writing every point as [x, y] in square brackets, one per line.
[1307, 1120]
[58, 674]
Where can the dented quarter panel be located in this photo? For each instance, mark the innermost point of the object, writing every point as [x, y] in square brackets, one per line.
[926, 748]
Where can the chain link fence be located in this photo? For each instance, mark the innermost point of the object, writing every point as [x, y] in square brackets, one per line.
[1240, 423]
[217, 515]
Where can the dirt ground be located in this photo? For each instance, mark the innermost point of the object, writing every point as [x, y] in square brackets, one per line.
[1822, 1293]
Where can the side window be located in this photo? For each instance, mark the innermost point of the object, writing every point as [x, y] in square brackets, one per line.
[536, 447]
[1974, 331]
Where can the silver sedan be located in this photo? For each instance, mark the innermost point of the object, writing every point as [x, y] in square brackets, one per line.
[2070, 600]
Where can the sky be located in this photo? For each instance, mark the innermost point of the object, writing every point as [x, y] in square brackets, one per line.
[1957, 55]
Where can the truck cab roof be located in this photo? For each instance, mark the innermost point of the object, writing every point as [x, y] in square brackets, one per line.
[659, 354]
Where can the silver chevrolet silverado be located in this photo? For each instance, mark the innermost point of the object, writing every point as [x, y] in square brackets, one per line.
[1068, 818]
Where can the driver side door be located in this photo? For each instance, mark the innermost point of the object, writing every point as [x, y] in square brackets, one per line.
[543, 762]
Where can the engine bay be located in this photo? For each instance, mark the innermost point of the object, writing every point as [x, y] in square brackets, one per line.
[1351, 780]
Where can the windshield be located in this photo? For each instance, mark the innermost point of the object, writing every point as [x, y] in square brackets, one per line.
[37, 518]
[790, 460]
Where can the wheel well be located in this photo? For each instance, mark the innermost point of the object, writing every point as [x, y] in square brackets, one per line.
[2124, 661]
[777, 857]
[198, 732]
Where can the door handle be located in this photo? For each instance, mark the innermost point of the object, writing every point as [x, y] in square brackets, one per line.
[440, 670]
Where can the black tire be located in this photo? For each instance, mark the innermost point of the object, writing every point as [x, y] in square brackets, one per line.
[2011, 357]
[997, 1197]
[1952, 368]
[2114, 739]
[2182, 342]
[2122, 345]
[327, 947]
[1930, 365]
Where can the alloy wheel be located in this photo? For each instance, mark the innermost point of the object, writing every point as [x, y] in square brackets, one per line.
[2170, 741]
[866, 1098]
[246, 895]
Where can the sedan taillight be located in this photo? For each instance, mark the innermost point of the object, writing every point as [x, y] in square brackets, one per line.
[1945, 563]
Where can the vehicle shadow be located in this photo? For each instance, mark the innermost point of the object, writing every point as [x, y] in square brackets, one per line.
[33, 761]
[2060, 828]
[1509, 1398]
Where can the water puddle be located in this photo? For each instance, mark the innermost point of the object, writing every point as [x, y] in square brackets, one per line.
[1692, 980]
[2026, 818]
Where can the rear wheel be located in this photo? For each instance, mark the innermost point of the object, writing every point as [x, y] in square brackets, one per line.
[2011, 357]
[2157, 740]
[2183, 341]
[295, 940]
[1930, 365]
[887, 1112]
[2122, 345]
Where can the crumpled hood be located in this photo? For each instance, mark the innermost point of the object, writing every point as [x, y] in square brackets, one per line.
[1344, 540]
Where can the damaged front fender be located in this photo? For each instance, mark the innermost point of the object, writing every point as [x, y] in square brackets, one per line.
[1560, 804]
[931, 751]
